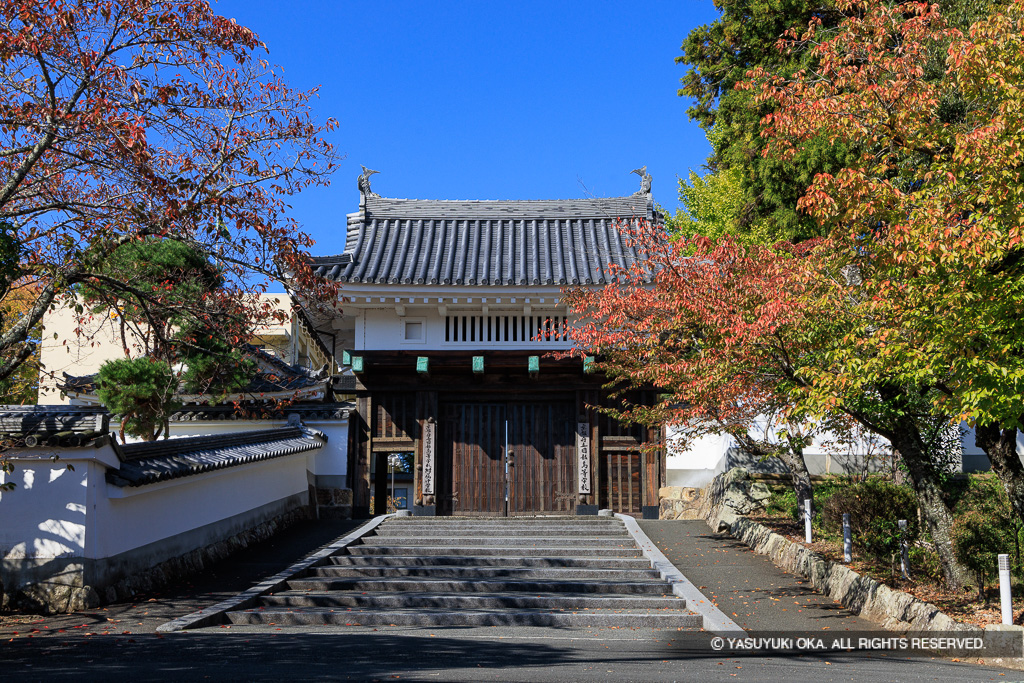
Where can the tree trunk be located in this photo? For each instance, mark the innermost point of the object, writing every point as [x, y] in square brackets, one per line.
[936, 515]
[1000, 445]
[793, 458]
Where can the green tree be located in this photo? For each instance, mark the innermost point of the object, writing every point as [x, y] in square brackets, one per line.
[719, 55]
[749, 35]
[141, 391]
[170, 302]
[926, 246]
[711, 203]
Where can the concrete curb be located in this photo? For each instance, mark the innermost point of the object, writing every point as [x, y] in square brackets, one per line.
[214, 614]
[715, 619]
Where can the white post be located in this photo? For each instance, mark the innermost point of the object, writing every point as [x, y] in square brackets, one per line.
[807, 519]
[904, 557]
[394, 460]
[1005, 598]
[847, 539]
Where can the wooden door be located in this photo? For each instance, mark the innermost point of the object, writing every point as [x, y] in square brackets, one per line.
[542, 458]
[508, 459]
[474, 438]
[620, 476]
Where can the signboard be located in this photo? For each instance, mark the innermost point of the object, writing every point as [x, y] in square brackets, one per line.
[583, 456]
[429, 442]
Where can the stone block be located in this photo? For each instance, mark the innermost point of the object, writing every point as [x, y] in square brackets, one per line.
[670, 492]
[679, 502]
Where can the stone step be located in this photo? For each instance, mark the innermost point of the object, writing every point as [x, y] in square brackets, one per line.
[313, 616]
[485, 561]
[554, 519]
[650, 587]
[464, 531]
[479, 551]
[449, 572]
[452, 601]
[528, 541]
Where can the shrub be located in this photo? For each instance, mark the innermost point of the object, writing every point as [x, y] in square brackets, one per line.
[984, 527]
[783, 500]
[874, 505]
[141, 390]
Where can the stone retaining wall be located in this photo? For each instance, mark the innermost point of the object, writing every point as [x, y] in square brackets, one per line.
[732, 495]
[71, 595]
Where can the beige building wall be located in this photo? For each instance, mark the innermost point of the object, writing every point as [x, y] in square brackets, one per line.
[75, 344]
[80, 344]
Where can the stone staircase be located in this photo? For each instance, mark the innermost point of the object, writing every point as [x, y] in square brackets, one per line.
[430, 571]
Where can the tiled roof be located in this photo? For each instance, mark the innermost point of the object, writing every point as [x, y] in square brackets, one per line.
[66, 426]
[311, 411]
[151, 462]
[544, 242]
[273, 376]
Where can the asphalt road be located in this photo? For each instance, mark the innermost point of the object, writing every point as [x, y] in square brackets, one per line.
[450, 654]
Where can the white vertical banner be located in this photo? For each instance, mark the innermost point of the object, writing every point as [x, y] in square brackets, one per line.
[428, 458]
[583, 456]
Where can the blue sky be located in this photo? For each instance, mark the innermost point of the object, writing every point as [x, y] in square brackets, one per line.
[485, 100]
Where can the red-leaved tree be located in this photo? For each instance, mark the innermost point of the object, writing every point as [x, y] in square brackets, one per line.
[737, 338]
[719, 328]
[929, 217]
[147, 119]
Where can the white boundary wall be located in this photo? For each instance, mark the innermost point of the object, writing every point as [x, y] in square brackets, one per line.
[59, 522]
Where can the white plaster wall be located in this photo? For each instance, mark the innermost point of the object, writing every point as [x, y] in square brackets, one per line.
[701, 460]
[697, 462]
[332, 458]
[57, 512]
[970, 448]
[44, 516]
[157, 511]
[383, 329]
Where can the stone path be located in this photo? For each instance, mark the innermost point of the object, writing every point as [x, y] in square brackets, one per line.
[746, 586]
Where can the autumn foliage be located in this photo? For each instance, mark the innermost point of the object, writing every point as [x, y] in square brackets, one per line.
[931, 215]
[713, 324]
[141, 119]
[905, 313]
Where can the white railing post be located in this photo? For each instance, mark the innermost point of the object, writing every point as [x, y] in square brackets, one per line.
[807, 519]
[847, 539]
[904, 555]
[1005, 597]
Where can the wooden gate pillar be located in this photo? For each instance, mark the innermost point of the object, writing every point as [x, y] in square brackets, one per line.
[653, 472]
[362, 443]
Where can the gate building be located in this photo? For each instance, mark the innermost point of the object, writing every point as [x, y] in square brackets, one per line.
[452, 322]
